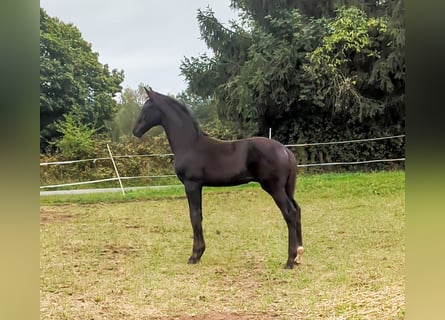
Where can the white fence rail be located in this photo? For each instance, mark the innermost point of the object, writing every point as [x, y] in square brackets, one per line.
[119, 178]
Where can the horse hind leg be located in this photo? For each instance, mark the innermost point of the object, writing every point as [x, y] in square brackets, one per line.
[293, 218]
[290, 214]
[297, 212]
[293, 206]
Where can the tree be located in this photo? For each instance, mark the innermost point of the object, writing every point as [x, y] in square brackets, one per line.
[229, 45]
[341, 64]
[71, 76]
[128, 108]
[206, 113]
[359, 66]
[310, 70]
[254, 76]
[77, 140]
[269, 83]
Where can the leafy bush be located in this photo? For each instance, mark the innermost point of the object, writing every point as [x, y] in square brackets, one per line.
[102, 167]
[77, 138]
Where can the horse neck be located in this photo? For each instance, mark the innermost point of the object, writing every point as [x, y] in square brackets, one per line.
[181, 133]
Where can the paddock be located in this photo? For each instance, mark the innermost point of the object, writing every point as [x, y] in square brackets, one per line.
[113, 259]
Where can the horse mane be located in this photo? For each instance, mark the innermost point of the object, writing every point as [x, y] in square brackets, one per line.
[183, 109]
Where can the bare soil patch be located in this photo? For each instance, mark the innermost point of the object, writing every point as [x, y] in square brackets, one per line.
[223, 316]
[53, 214]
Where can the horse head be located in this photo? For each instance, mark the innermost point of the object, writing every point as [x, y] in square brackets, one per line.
[149, 116]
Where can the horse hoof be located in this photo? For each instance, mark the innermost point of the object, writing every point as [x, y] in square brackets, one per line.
[193, 261]
[300, 251]
[289, 266]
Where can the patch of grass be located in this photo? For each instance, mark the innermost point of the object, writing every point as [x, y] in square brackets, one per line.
[127, 259]
[173, 191]
[324, 185]
[162, 192]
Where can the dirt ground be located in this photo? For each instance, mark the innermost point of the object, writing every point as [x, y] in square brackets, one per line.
[53, 214]
[223, 316]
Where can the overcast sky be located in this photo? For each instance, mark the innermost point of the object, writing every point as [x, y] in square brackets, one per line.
[145, 38]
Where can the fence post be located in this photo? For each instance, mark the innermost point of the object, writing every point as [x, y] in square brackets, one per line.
[115, 169]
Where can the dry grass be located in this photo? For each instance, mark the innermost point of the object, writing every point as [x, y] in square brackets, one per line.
[128, 260]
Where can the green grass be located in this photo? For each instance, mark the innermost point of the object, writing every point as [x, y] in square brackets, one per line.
[114, 257]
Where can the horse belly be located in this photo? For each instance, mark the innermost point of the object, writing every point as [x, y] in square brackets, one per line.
[225, 174]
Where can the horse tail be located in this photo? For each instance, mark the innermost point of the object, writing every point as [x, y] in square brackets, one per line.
[292, 177]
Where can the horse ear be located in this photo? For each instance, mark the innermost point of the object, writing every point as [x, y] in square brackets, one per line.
[147, 91]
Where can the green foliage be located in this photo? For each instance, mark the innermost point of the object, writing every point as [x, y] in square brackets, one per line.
[205, 111]
[72, 76]
[128, 108]
[77, 140]
[310, 70]
[341, 64]
[103, 168]
[269, 82]
[205, 74]
[262, 11]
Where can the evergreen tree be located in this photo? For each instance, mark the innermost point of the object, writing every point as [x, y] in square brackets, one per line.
[310, 70]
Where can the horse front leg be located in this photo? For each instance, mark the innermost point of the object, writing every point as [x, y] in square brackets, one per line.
[193, 191]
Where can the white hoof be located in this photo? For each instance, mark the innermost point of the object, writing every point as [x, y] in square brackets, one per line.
[300, 251]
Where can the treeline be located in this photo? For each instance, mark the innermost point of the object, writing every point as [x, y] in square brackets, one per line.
[312, 71]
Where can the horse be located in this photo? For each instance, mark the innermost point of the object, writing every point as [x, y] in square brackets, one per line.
[200, 160]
